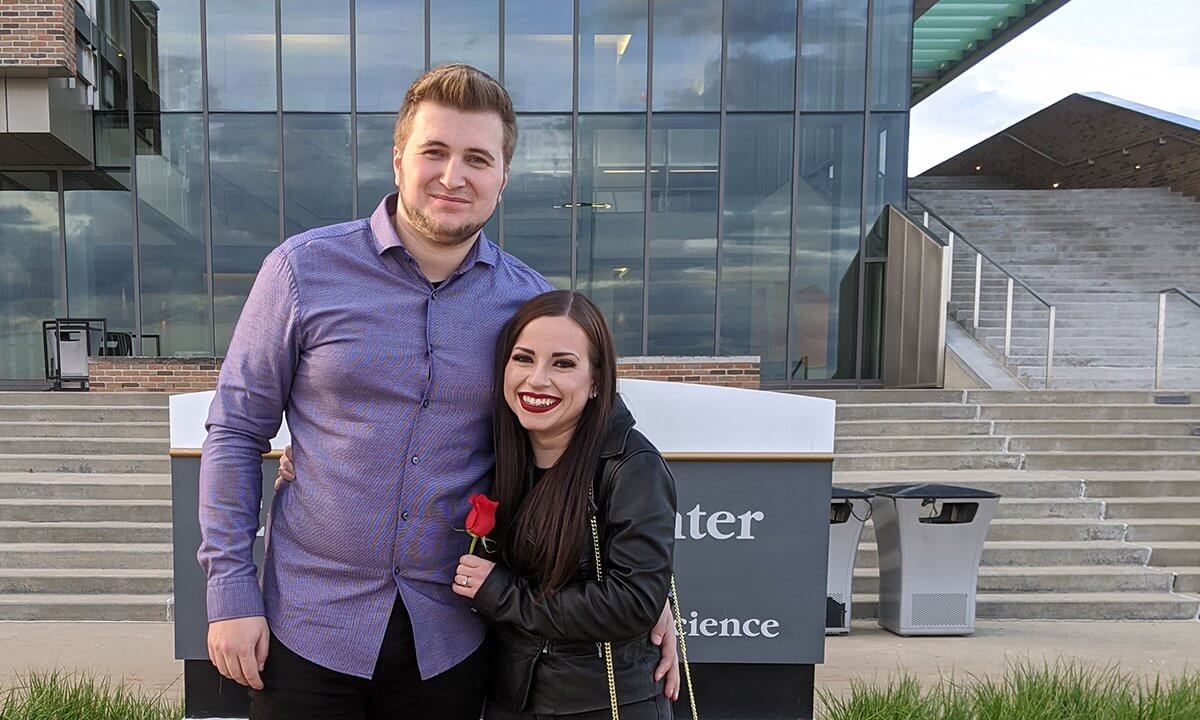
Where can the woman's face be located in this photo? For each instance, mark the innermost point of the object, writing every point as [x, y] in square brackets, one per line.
[548, 377]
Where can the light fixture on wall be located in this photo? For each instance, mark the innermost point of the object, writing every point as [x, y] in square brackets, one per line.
[1054, 185]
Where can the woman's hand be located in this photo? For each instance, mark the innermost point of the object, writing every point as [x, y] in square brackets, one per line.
[471, 573]
[287, 471]
[663, 635]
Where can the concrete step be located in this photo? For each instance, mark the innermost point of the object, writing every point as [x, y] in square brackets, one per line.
[1043, 554]
[1040, 508]
[1174, 553]
[56, 510]
[1094, 426]
[1187, 580]
[154, 447]
[875, 397]
[1118, 578]
[1097, 443]
[106, 464]
[94, 430]
[1012, 484]
[1038, 411]
[144, 556]
[928, 411]
[72, 581]
[95, 486]
[76, 414]
[59, 608]
[23, 531]
[1102, 460]
[1138, 508]
[1066, 397]
[923, 428]
[85, 399]
[1068, 606]
[933, 444]
[1149, 530]
[1153, 485]
[926, 461]
[1031, 530]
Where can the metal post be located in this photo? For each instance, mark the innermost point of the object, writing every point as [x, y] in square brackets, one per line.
[950, 264]
[926, 218]
[1008, 309]
[1158, 342]
[978, 280]
[1050, 348]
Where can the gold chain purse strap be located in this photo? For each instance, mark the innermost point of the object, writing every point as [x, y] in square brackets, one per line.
[607, 646]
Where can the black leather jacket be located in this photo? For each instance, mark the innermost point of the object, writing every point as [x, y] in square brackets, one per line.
[545, 656]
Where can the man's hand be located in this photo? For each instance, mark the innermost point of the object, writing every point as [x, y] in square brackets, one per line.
[239, 649]
[668, 664]
[287, 470]
[470, 574]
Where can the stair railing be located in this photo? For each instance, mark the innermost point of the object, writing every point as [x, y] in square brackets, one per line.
[954, 237]
[1160, 336]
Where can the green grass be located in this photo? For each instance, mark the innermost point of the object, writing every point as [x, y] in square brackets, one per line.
[67, 696]
[1059, 691]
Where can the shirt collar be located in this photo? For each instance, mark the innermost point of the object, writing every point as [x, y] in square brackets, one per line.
[383, 229]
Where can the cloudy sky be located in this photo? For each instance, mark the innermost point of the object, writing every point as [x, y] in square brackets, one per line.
[1146, 51]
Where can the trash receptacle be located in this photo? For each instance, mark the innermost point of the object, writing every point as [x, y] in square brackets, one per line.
[849, 510]
[930, 539]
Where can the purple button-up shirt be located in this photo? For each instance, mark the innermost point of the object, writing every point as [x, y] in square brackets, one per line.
[386, 382]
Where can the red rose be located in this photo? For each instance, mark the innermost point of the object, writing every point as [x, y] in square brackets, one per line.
[482, 518]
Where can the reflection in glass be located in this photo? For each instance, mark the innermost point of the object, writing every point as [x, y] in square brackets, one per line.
[610, 235]
[755, 244]
[376, 179]
[537, 54]
[887, 151]
[683, 234]
[244, 171]
[241, 54]
[687, 55]
[390, 51]
[173, 261]
[833, 54]
[167, 53]
[824, 285]
[316, 55]
[30, 262]
[99, 228]
[891, 54]
[760, 73]
[112, 139]
[536, 228]
[612, 55]
[465, 31]
[316, 171]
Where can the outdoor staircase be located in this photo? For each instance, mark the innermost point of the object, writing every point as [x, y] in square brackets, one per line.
[85, 507]
[1099, 256]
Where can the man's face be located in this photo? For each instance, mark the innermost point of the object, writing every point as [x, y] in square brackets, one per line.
[450, 172]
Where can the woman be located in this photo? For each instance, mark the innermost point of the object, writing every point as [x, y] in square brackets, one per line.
[566, 450]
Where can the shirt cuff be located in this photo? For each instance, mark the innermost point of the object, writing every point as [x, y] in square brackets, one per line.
[234, 599]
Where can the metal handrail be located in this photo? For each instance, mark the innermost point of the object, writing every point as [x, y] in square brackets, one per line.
[980, 256]
[1158, 139]
[1162, 328]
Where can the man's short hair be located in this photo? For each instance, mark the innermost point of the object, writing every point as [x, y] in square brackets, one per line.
[461, 87]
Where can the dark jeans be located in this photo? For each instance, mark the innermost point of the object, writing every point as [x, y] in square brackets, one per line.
[656, 708]
[298, 689]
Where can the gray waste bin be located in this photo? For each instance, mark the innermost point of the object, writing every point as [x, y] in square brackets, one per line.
[849, 510]
[930, 538]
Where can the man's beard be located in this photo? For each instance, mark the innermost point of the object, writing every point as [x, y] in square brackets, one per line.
[439, 234]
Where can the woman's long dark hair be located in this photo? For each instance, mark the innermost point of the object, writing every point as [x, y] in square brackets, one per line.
[542, 534]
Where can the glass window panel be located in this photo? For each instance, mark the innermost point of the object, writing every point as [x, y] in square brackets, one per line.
[825, 283]
[833, 54]
[687, 55]
[761, 70]
[376, 179]
[316, 171]
[537, 54]
[244, 170]
[465, 31]
[756, 242]
[241, 54]
[99, 228]
[172, 257]
[316, 55]
[536, 229]
[610, 235]
[112, 139]
[167, 54]
[885, 167]
[683, 234]
[891, 54]
[612, 55]
[30, 271]
[390, 51]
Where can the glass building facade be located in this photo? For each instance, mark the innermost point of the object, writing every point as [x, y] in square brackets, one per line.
[706, 170]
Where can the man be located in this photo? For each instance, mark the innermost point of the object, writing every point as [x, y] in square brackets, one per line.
[377, 337]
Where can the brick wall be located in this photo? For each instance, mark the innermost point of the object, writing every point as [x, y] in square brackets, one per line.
[180, 375]
[37, 37]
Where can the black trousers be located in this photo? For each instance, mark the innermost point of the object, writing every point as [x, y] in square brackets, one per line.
[656, 708]
[297, 689]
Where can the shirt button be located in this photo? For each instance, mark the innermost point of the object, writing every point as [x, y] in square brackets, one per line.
[425, 403]
[395, 571]
[404, 515]
[415, 460]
